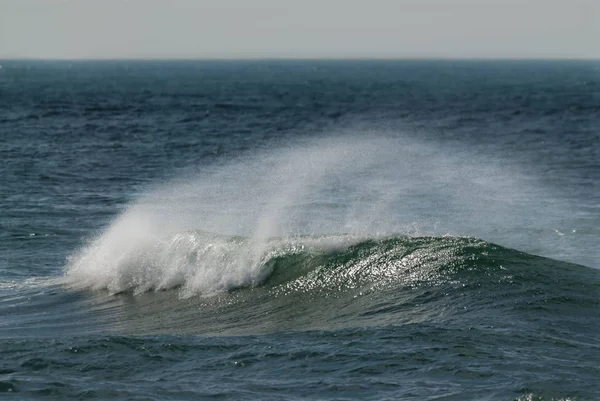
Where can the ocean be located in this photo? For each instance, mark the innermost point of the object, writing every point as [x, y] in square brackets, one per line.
[300, 229]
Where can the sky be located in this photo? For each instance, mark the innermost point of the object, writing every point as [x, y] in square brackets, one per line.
[197, 29]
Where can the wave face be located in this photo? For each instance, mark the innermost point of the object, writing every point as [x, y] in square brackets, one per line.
[324, 282]
[206, 264]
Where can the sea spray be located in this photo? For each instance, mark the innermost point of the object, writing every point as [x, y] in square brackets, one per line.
[217, 230]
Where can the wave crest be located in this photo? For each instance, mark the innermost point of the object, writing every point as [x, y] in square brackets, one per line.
[198, 262]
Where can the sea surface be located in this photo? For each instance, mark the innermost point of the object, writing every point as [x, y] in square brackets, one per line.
[301, 229]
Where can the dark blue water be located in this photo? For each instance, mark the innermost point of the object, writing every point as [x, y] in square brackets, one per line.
[300, 230]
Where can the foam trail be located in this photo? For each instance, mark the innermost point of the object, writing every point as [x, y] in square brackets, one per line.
[215, 232]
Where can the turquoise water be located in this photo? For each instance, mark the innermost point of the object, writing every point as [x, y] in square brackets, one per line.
[300, 230]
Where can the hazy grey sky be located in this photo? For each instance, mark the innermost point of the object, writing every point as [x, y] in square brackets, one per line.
[307, 28]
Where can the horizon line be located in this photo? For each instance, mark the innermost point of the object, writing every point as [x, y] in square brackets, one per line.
[301, 58]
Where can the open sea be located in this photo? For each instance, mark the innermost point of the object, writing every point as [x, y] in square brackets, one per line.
[300, 230]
